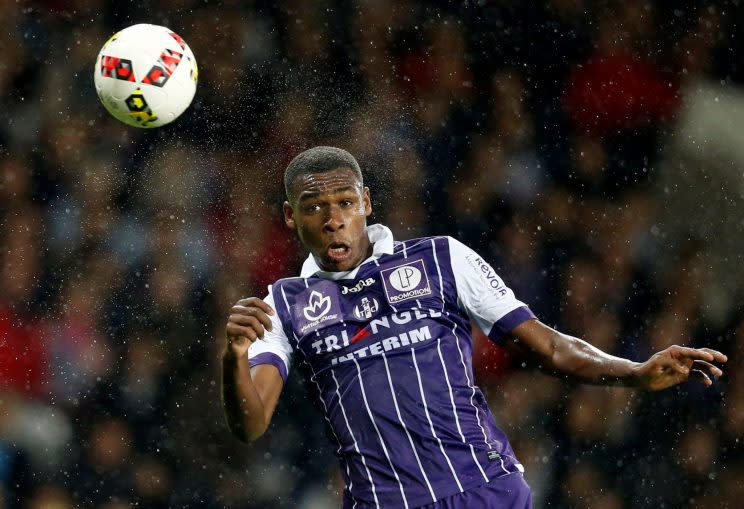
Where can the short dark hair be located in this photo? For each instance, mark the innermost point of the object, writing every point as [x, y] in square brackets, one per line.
[318, 160]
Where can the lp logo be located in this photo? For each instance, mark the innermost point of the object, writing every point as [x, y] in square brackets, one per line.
[405, 278]
[404, 282]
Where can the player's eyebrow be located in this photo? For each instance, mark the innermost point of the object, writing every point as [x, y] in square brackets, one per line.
[306, 195]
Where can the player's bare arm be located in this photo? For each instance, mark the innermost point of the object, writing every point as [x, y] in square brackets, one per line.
[249, 395]
[560, 353]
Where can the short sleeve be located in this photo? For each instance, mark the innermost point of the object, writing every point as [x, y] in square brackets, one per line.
[483, 295]
[274, 348]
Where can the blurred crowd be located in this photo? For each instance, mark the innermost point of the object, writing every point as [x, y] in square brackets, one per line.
[590, 151]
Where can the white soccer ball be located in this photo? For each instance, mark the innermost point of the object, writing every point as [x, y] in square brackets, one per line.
[146, 75]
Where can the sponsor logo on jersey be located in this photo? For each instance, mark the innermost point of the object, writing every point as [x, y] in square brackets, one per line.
[366, 308]
[402, 340]
[488, 274]
[361, 285]
[318, 305]
[404, 282]
[385, 324]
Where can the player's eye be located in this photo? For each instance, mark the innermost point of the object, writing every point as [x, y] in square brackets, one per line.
[313, 207]
[347, 202]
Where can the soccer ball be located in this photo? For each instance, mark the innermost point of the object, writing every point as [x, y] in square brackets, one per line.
[146, 75]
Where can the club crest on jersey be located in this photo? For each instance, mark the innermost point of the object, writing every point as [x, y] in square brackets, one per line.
[366, 308]
[409, 281]
[318, 305]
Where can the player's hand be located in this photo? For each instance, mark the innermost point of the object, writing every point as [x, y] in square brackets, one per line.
[677, 364]
[249, 319]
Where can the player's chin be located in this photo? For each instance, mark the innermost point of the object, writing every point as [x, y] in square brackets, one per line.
[339, 263]
[334, 266]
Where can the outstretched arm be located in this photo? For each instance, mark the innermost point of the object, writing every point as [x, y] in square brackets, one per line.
[560, 353]
[497, 312]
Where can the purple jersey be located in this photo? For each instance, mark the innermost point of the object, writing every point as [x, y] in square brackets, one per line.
[388, 348]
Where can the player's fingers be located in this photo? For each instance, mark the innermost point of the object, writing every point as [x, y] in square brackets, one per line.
[707, 367]
[253, 311]
[256, 302]
[235, 331]
[698, 375]
[681, 368]
[692, 353]
[263, 318]
[248, 321]
[717, 356]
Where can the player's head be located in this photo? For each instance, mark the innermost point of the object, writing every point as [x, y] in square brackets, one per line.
[316, 160]
[327, 205]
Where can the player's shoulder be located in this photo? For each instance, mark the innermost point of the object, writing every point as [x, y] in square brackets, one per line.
[289, 280]
[435, 241]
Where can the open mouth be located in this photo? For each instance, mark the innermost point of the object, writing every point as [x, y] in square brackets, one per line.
[338, 251]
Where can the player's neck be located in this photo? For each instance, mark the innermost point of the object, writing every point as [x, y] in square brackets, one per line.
[367, 247]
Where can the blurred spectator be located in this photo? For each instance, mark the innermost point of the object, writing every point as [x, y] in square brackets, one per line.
[619, 87]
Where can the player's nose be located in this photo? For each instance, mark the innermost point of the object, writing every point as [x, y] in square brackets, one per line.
[334, 221]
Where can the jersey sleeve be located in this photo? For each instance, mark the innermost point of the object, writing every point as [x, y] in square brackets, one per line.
[483, 295]
[274, 348]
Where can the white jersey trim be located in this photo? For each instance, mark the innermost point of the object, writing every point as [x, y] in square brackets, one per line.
[356, 446]
[405, 428]
[274, 346]
[379, 436]
[428, 418]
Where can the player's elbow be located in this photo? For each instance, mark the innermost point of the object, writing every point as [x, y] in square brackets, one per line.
[247, 434]
[254, 434]
[250, 434]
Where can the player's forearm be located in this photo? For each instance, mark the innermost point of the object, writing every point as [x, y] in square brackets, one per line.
[243, 407]
[578, 359]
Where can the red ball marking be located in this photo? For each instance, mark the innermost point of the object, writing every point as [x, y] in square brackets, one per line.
[170, 60]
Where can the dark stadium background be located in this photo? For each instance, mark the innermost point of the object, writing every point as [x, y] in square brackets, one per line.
[593, 152]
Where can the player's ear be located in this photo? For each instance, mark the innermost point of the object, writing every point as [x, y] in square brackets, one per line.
[288, 215]
[367, 202]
